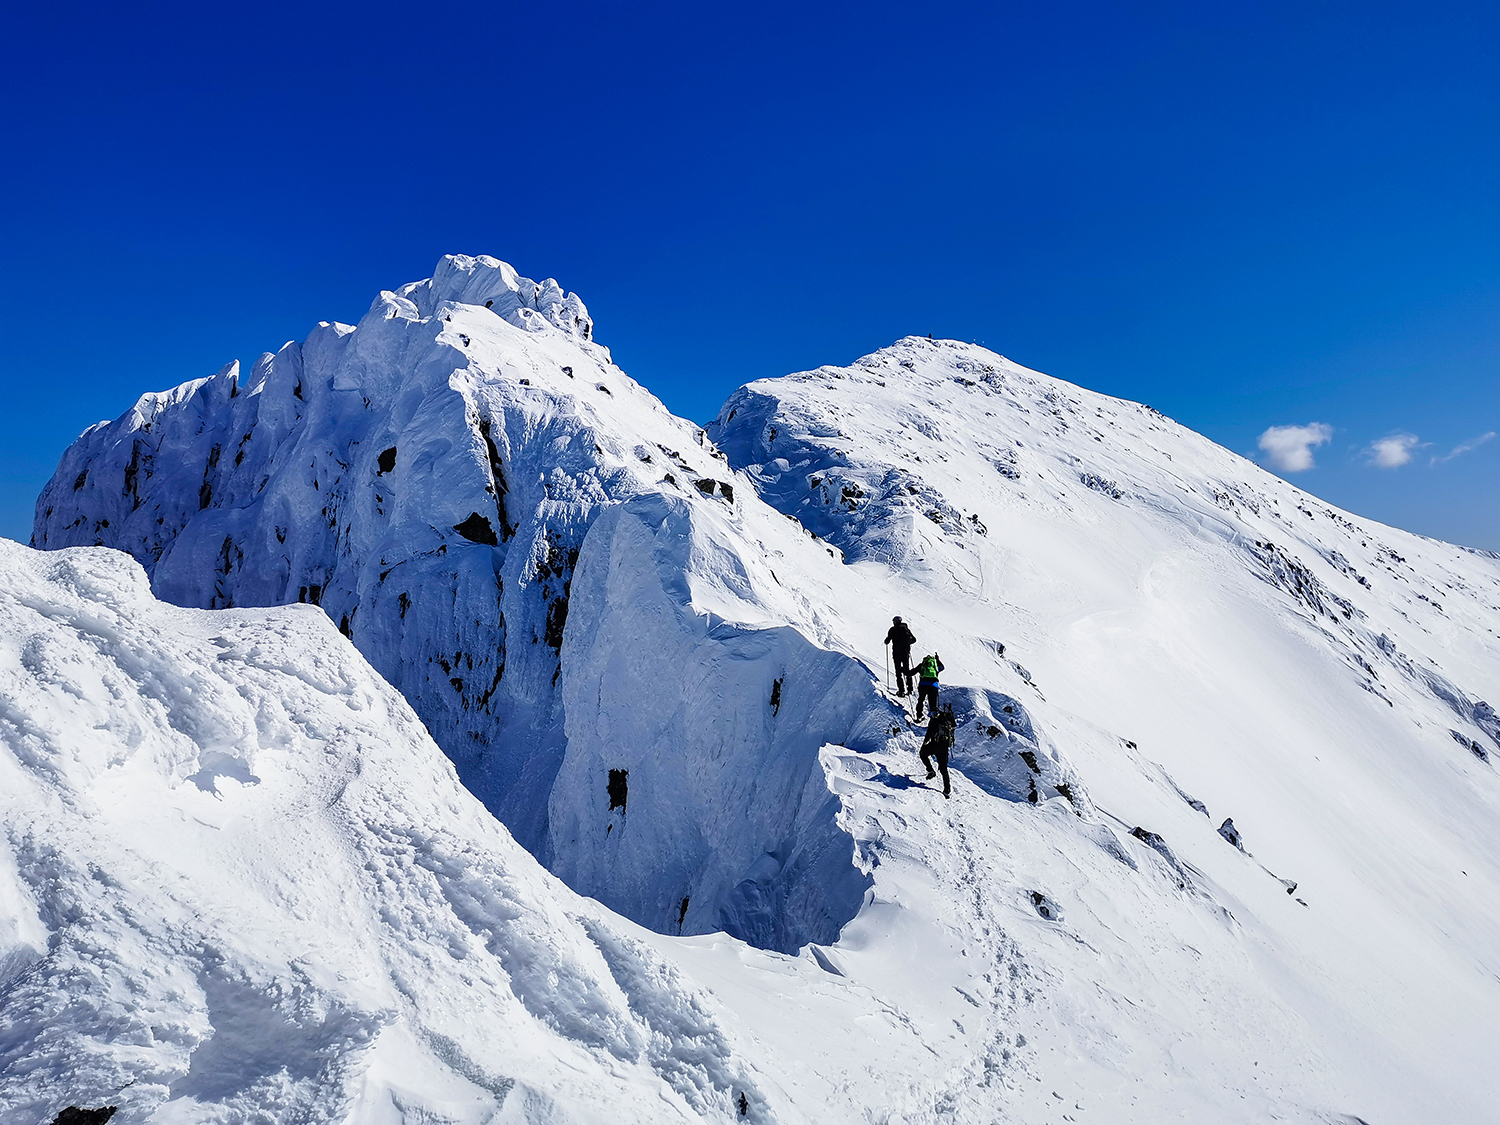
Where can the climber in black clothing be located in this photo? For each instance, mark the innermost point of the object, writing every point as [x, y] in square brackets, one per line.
[900, 638]
[937, 743]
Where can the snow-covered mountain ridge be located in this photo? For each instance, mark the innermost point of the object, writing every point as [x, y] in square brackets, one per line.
[662, 685]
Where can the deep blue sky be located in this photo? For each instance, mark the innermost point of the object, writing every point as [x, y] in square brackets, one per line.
[1246, 215]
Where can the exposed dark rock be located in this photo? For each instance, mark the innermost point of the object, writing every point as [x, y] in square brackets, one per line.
[1150, 839]
[74, 1115]
[1231, 833]
[477, 529]
[1045, 907]
[557, 619]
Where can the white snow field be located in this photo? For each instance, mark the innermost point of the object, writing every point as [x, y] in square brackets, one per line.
[671, 693]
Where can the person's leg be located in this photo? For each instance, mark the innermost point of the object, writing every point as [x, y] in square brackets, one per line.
[903, 673]
[926, 757]
[927, 693]
[942, 761]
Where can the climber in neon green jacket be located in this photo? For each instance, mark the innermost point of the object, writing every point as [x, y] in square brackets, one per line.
[927, 683]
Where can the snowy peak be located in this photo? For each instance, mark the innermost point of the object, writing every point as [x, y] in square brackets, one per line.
[927, 447]
[909, 430]
[950, 463]
[488, 282]
[1323, 684]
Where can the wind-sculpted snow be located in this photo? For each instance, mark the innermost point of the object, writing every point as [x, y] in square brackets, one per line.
[715, 726]
[426, 477]
[241, 884]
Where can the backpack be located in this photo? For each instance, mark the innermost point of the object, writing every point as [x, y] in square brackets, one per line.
[928, 669]
[944, 727]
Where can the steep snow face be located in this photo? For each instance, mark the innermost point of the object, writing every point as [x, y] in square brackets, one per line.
[718, 815]
[1210, 639]
[238, 882]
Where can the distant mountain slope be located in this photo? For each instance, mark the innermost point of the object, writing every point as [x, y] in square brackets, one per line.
[1321, 680]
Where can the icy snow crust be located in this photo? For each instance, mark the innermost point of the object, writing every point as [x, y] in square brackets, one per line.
[1071, 937]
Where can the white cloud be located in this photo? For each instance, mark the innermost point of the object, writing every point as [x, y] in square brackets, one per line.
[1289, 448]
[1392, 452]
[1465, 447]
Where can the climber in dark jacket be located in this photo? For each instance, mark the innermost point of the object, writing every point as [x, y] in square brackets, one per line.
[900, 638]
[927, 684]
[937, 743]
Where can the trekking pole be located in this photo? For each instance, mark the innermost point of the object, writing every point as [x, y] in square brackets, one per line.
[887, 667]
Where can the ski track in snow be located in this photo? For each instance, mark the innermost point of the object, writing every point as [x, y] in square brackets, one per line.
[669, 691]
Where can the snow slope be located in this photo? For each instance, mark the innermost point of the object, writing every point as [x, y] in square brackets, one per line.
[670, 691]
